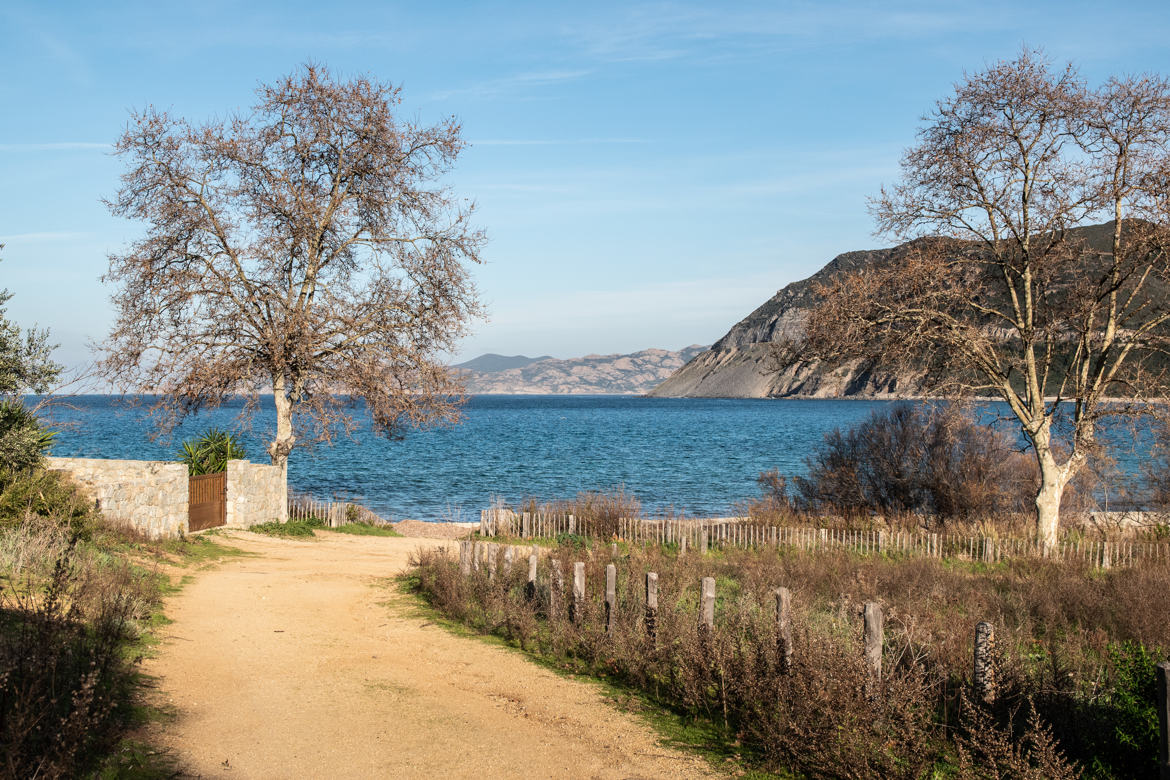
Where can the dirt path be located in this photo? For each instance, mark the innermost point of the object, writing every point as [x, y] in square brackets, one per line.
[297, 663]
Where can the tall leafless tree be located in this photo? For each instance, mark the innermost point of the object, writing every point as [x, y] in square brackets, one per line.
[307, 249]
[1003, 289]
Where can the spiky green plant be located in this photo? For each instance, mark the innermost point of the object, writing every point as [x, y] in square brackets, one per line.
[210, 452]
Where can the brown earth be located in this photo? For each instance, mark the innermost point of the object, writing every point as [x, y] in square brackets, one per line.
[303, 661]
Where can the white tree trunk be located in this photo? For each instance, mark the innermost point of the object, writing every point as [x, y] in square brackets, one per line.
[283, 443]
[1053, 478]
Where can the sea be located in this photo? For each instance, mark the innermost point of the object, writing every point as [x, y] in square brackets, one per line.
[693, 456]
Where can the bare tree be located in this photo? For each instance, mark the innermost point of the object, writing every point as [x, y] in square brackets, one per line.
[1004, 288]
[306, 249]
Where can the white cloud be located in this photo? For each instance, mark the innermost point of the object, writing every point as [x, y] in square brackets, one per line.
[58, 146]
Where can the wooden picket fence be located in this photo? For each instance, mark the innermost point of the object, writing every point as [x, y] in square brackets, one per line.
[334, 513]
[725, 533]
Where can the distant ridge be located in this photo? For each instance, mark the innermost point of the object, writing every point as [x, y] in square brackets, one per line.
[490, 363]
[633, 374]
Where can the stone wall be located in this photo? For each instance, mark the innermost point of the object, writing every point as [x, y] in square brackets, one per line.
[256, 493]
[148, 495]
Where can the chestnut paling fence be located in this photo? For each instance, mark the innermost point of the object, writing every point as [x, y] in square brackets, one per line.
[703, 535]
[569, 595]
[334, 513]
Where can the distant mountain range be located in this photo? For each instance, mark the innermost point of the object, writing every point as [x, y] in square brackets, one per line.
[736, 366]
[633, 374]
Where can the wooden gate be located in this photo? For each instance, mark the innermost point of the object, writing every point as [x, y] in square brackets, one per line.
[207, 496]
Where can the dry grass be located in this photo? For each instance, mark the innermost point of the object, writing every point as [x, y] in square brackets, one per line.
[1072, 643]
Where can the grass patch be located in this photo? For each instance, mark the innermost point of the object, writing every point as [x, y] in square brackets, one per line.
[293, 529]
[365, 529]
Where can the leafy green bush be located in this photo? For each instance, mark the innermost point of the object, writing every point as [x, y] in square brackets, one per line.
[210, 452]
[23, 440]
[46, 494]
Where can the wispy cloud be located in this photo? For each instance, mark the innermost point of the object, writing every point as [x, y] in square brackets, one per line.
[555, 141]
[517, 82]
[58, 146]
[41, 238]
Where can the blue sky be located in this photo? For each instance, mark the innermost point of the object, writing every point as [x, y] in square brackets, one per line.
[647, 173]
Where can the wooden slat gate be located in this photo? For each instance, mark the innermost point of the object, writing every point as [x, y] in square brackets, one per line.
[207, 497]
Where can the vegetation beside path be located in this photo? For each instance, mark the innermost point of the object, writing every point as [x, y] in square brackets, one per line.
[1074, 659]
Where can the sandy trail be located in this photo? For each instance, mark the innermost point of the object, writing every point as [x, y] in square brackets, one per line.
[300, 663]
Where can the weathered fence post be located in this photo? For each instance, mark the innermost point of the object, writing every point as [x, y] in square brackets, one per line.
[526, 525]
[610, 599]
[704, 540]
[477, 554]
[682, 547]
[493, 552]
[881, 541]
[465, 558]
[509, 557]
[530, 588]
[572, 524]
[652, 605]
[874, 637]
[784, 628]
[1106, 555]
[578, 605]
[983, 674]
[1162, 680]
[988, 550]
[707, 604]
[934, 549]
[613, 552]
[556, 586]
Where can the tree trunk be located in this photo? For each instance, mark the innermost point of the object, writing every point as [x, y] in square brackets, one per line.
[282, 445]
[1053, 478]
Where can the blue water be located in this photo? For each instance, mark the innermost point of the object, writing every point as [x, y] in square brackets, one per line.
[699, 456]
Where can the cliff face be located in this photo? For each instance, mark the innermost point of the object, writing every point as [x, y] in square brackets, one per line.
[633, 374]
[736, 366]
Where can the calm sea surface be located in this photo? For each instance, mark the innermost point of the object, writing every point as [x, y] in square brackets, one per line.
[699, 456]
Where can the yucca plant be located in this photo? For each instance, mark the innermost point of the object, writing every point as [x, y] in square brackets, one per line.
[210, 452]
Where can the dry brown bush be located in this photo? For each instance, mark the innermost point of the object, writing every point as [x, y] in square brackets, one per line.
[1056, 625]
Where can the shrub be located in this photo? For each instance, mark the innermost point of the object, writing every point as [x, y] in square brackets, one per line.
[209, 453]
[23, 440]
[66, 616]
[38, 493]
[1075, 646]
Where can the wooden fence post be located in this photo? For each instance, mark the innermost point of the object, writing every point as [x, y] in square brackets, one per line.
[477, 555]
[530, 588]
[1162, 680]
[784, 628]
[556, 586]
[874, 637]
[526, 525]
[492, 559]
[610, 599]
[1106, 555]
[572, 524]
[707, 604]
[881, 541]
[465, 558]
[934, 549]
[652, 605]
[704, 539]
[509, 557]
[988, 550]
[578, 605]
[682, 547]
[983, 674]
[613, 551]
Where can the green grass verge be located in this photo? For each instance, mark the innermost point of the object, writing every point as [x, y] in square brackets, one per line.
[365, 529]
[293, 529]
[674, 730]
